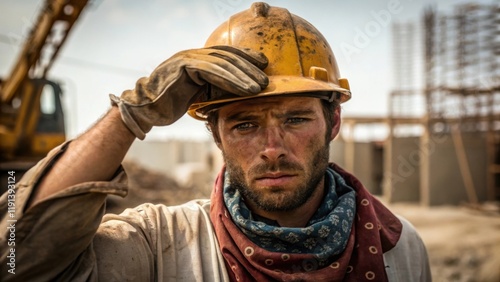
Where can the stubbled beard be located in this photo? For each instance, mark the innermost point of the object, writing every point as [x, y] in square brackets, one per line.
[281, 202]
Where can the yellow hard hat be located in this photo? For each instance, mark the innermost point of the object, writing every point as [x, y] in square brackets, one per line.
[300, 59]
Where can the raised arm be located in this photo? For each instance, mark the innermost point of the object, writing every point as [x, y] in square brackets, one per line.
[157, 100]
[59, 204]
[93, 156]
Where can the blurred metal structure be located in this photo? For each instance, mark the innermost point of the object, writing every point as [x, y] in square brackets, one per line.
[462, 85]
[443, 141]
[405, 100]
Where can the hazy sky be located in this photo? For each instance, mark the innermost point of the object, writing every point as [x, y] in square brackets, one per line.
[117, 41]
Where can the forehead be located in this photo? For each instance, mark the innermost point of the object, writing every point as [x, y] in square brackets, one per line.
[269, 104]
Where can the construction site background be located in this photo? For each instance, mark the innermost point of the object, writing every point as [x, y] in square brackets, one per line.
[437, 161]
[435, 158]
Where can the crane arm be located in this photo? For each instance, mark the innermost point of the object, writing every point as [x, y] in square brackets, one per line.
[57, 16]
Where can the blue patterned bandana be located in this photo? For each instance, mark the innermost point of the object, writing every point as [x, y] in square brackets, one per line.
[326, 234]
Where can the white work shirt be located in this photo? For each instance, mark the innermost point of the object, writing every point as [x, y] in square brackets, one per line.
[180, 243]
[67, 237]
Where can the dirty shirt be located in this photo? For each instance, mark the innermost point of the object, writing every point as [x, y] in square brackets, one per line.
[67, 237]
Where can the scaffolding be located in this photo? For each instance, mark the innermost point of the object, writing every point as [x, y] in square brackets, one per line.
[406, 104]
[443, 144]
[460, 95]
[404, 97]
[462, 84]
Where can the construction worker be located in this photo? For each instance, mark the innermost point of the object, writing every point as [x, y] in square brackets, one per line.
[268, 86]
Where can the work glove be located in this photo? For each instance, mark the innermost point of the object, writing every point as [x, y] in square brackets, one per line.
[164, 96]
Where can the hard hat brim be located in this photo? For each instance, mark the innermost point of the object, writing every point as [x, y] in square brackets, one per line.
[278, 85]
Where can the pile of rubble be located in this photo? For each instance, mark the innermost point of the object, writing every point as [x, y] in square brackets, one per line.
[146, 186]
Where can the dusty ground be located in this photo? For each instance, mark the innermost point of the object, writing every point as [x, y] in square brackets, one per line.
[463, 244]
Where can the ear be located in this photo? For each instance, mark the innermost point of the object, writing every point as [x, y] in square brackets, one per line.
[335, 123]
[217, 139]
[218, 143]
[215, 134]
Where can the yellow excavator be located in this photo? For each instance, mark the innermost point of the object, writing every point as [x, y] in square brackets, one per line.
[31, 113]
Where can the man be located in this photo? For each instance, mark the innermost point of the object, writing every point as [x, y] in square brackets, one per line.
[268, 86]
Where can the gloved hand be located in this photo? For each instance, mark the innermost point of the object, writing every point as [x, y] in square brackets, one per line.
[164, 96]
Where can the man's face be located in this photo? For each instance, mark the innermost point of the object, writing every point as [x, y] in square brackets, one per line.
[275, 149]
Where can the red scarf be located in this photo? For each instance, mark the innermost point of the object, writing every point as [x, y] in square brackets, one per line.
[375, 231]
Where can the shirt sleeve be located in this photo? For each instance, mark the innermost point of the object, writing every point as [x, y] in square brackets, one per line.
[408, 260]
[52, 239]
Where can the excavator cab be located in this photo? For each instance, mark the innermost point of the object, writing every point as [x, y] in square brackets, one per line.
[32, 123]
[50, 130]
[31, 112]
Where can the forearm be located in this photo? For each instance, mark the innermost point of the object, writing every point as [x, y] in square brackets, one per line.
[93, 156]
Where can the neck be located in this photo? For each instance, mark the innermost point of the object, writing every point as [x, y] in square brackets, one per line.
[298, 217]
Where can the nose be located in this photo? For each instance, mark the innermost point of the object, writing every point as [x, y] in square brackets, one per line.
[274, 144]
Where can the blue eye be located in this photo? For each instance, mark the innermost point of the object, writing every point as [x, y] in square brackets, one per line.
[295, 120]
[244, 126]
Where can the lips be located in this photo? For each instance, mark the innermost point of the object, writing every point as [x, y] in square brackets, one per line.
[274, 179]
